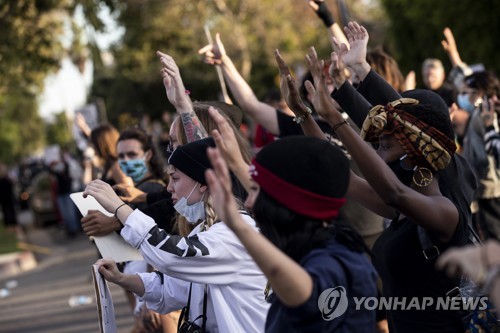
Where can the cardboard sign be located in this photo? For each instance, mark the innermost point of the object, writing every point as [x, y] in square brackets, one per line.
[111, 246]
[105, 308]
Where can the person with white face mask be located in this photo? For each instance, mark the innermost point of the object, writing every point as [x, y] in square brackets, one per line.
[207, 265]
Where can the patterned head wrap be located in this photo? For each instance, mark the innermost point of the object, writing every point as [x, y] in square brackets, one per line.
[424, 144]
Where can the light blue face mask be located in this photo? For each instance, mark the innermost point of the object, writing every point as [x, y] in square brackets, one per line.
[135, 169]
[464, 103]
[193, 213]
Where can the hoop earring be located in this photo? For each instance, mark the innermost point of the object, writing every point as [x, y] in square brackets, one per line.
[426, 177]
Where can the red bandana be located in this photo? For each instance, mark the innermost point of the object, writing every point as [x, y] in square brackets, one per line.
[296, 199]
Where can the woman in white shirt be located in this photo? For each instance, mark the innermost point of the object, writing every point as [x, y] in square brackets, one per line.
[211, 255]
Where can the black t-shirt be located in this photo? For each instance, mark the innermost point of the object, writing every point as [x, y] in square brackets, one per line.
[405, 272]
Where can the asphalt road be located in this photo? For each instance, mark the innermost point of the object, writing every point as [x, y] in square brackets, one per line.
[38, 299]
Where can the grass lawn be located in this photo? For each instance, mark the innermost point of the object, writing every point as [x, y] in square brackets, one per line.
[8, 240]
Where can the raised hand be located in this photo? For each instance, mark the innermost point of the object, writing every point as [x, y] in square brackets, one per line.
[337, 70]
[174, 87]
[225, 139]
[321, 100]
[488, 113]
[214, 53]
[450, 46]
[82, 124]
[104, 194]
[358, 41]
[219, 184]
[96, 223]
[315, 5]
[288, 88]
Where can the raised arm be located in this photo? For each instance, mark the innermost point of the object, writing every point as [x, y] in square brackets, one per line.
[334, 30]
[292, 97]
[439, 214]
[450, 47]
[228, 146]
[354, 55]
[352, 102]
[373, 87]
[460, 69]
[262, 113]
[290, 282]
[178, 96]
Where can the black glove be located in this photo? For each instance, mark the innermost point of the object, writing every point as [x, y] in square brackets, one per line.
[324, 13]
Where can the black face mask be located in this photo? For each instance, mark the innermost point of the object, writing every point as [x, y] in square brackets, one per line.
[404, 175]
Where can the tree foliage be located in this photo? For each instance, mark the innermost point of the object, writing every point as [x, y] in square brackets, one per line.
[250, 30]
[416, 30]
[31, 47]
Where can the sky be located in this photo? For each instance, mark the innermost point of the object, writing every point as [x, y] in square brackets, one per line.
[67, 89]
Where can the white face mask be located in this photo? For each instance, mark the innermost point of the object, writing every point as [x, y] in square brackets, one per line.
[193, 213]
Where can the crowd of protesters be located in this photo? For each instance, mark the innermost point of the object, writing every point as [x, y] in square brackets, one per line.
[355, 183]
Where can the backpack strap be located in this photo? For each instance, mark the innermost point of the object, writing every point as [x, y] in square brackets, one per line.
[429, 250]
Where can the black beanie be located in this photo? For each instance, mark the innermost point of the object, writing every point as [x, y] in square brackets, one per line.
[424, 96]
[192, 159]
[309, 163]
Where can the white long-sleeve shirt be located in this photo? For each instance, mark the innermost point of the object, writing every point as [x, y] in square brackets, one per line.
[235, 301]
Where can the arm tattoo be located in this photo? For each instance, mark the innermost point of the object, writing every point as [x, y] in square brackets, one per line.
[193, 127]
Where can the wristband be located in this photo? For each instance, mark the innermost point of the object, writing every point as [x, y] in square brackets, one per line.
[324, 14]
[116, 210]
[336, 126]
[300, 119]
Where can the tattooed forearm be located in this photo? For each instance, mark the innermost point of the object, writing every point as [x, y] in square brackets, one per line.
[193, 127]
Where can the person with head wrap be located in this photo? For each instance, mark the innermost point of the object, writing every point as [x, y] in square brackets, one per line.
[401, 182]
[315, 263]
[209, 264]
[374, 90]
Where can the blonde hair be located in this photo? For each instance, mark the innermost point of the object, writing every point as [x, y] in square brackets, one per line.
[209, 124]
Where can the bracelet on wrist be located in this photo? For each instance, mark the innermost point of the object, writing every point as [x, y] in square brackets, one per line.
[117, 208]
[336, 126]
[300, 119]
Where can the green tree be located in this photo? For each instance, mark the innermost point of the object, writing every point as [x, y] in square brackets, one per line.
[31, 47]
[416, 30]
[250, 29]
[58, 131]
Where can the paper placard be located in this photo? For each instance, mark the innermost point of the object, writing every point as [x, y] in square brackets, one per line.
[112, 245]
[105, 308]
